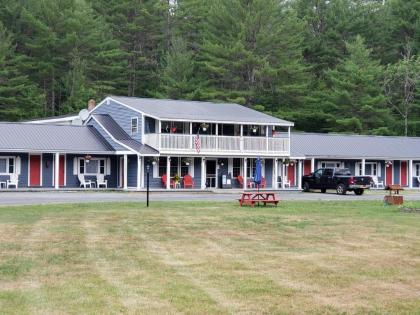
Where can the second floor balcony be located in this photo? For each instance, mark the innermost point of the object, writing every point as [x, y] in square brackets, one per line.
[218, 144]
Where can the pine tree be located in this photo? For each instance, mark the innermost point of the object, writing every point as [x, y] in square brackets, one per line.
[402, 86]
[178, 72]
[251, 53]
[355, 92]
[19, 97]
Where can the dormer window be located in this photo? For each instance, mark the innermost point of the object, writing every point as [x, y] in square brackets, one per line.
[134, 125]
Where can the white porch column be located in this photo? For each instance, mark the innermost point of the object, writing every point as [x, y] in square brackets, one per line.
[159, 134]
[241, 143]
[56, 170]
[168, 172]
[275, 173]
[363, 167]
[203, 173]
[283, 174]
[299, 174]
[266, 138]
[139, 172]
[312, 165]
[244, 172]
[125, 171]
[410, 174]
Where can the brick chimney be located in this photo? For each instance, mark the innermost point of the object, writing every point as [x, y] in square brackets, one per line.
[91, 104]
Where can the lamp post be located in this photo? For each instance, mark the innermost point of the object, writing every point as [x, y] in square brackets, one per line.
[147, 184]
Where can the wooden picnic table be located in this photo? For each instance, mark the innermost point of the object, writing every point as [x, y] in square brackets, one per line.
[251, 198]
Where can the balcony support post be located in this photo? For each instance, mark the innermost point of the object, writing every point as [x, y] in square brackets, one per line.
[57, 170]
[283, 174]
[266, 138]
[159, 134]
[125, 167]
[363, 167]
[275, 173]
[410, 174]
[203, 173]
[168, 173]
[244, 172]
[299, 165]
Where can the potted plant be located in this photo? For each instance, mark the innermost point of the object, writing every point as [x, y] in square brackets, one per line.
[176, 179]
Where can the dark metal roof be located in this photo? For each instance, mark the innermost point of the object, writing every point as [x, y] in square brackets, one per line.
[115, 130]
[25, 137]
[199, 111]
[354, 146]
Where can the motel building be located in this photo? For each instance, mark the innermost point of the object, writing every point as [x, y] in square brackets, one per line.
[201, 145]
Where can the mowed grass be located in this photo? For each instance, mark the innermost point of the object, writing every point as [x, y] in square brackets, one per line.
[209, 258]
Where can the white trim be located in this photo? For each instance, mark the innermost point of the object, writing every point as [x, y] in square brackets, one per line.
[410, 173]
[51, 120]
[112, 137]
[125, 171]
[336, 162]
[289, 124]
[358, 170]
[136, 118]
[99, 159]
[6, 157]
[142, 133]
[65, 170]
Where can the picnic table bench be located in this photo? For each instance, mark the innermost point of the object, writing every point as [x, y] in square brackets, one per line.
[251, 198]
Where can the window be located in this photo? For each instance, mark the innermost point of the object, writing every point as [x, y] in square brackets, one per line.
[7, 165]
[179, 166]
[318, 173]
[371, 169]
[236, 169]
[417, 170]
[11, 165]
[250, 168]
[92, 167]
[330, 164]
[328, 172]
[134, 125]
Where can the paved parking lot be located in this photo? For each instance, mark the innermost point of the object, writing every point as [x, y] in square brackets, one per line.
[48, 197]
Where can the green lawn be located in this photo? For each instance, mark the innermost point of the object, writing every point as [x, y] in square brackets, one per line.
[210, 258]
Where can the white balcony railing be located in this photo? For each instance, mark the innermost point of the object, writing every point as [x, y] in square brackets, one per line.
[182, 143]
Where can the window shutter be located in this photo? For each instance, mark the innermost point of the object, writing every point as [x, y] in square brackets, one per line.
[108, 166]
[191, 168]
[18, 165]
[75, 166]
[379, 169]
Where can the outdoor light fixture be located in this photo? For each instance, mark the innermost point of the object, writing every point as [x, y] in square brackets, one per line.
[254, 129]
[204, 126]
[388, 163]
[88, 158]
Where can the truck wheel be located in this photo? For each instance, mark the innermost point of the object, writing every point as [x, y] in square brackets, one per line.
[341, 189]
[359, 192]
[323, 190]
[306, 187]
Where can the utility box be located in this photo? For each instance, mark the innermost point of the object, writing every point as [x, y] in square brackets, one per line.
[226, 181]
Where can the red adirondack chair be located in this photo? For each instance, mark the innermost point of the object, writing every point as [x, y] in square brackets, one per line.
[240, 180]
[164, 178]
[188, 181]
[263, 183]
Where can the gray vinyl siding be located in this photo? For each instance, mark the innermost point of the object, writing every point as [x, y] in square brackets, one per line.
[23, 177]
[396, 170]
[269, 172]
[122, 115]
[104, 134]
[47, 164]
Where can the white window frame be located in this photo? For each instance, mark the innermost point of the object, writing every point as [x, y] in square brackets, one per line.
[93, 159]
[136, 129]
[322, 164]
[190, 167]
[358, 169]
[7, 158]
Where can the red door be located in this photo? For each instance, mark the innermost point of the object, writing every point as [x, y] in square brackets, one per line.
[403, 175]
[35, 170]
[291, 174]
[388, 175]
[307, 167]
[61, 172]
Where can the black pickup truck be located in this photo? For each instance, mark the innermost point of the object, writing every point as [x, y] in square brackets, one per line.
[339, 179]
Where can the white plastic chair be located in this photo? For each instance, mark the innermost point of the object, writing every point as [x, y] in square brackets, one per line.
[377, 183]
[286, 182]
[83, 182]
[101, 181]
[13, 181]
[418, 180]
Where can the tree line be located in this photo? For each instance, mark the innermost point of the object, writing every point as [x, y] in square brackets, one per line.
[328, 65]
